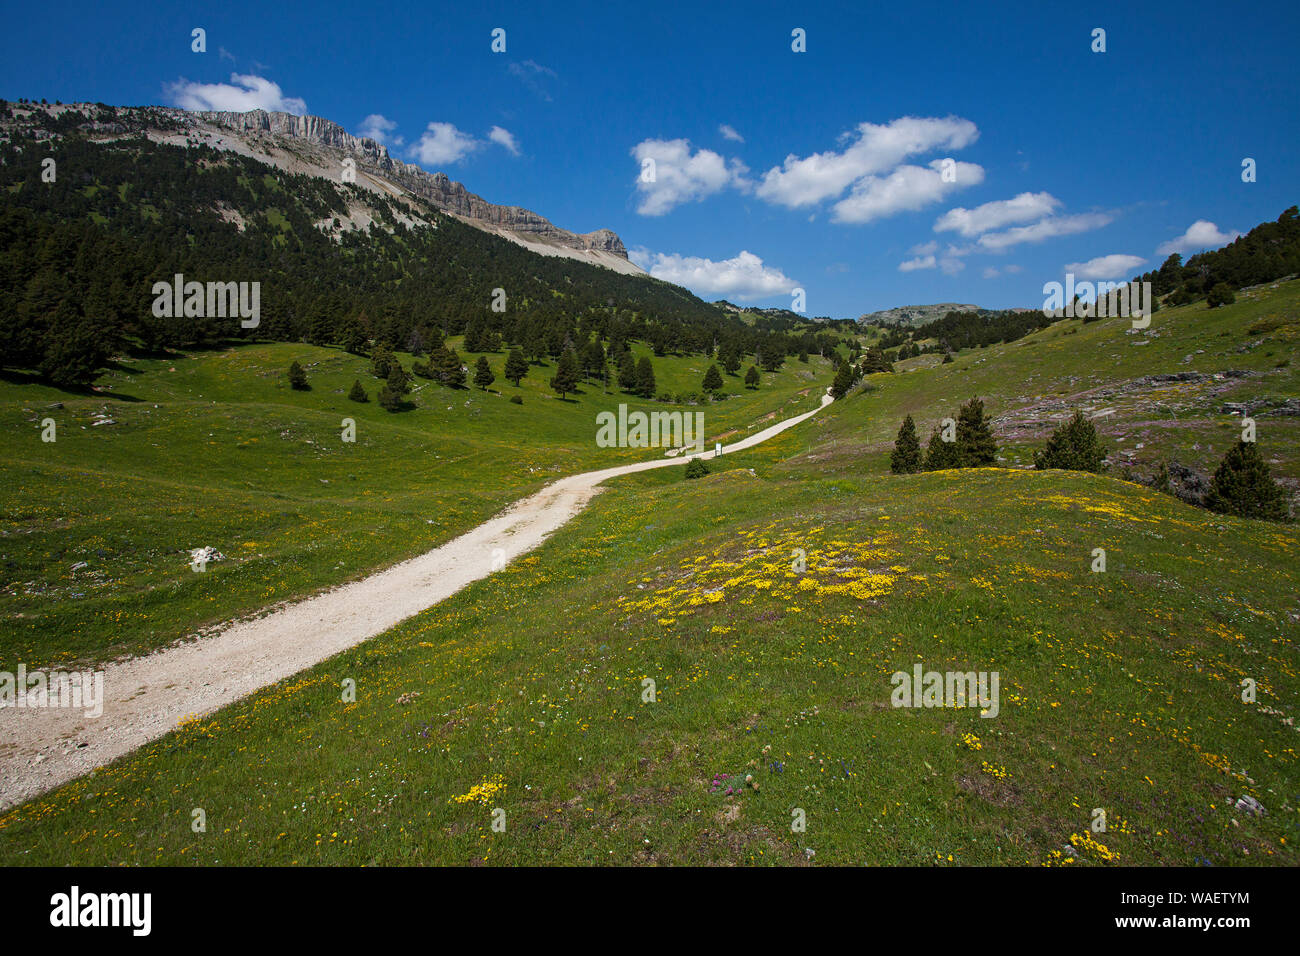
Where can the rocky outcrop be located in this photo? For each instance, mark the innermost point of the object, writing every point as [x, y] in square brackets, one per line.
[438, 189]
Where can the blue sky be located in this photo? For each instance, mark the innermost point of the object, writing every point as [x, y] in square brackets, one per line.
[829, 174]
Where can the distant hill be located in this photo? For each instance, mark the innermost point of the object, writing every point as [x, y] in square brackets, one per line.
[916, 315]
[776, 314]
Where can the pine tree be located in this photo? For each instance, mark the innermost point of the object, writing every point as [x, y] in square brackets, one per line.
[906, 457]
[297, 377]
[730, 358]
[483, 376]
[357, 393]
[975, 445]
[752, 378]
[516, 366]
[627, 371]
[446, 367]
[415, 342]
[565, 379]
[455, 370]
[399, 383]
[381, 360]
[843, 381]
[350, 336]
[712, 380]
[940, 454]
[1073, 446]
[1244, 487]
[473, 338]
[645, 378]
[593, 359]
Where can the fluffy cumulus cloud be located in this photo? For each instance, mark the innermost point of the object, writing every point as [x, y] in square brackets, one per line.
[379, 128]
[905, 189]
[743, 278]
[869, 150]
[729, 132]
[920, 262]
[1106, 267]
[1201, 234]
[1026, 207]
[503, 137]
[670, 174]
[442, 144]
[244, 92]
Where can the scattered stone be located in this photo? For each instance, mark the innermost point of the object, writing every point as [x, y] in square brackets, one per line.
[1248, 804]
[205, 556]
[1187, 483]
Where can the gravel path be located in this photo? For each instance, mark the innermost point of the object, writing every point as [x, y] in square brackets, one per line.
[145, 697]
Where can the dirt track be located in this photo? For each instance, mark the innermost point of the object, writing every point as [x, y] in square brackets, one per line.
[145, 697]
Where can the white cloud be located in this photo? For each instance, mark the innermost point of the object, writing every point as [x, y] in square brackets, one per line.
[950, 266]
[729, 132]
[377, 127]
[1048, 228]
[991, 273]
[920, 262]
[248, 92]
[744, 277]
[1201, 234]
[1106, 267]
[994, 215]
[443, 143]
[877, 148]
[503, 137]
[680, 175]
[925, 248]
[905, 189]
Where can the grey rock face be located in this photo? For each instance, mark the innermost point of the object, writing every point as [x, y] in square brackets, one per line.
[436, 188]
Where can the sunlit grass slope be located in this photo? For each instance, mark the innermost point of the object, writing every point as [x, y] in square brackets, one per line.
[214, 449]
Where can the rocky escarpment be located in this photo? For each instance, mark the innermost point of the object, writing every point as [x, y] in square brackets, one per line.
[436, 188]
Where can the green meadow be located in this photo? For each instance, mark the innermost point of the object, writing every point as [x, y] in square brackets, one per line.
[700, 671]
[214, 449]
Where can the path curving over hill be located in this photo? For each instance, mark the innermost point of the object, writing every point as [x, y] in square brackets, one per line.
[145, 697]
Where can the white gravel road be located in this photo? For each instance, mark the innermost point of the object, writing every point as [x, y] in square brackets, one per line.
[145, 697]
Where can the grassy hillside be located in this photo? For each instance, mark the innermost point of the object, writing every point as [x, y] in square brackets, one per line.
[214, 449]
[1120, 690]
[1030, 385]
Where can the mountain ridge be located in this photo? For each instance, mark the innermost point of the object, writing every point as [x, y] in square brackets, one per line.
[276, 137]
